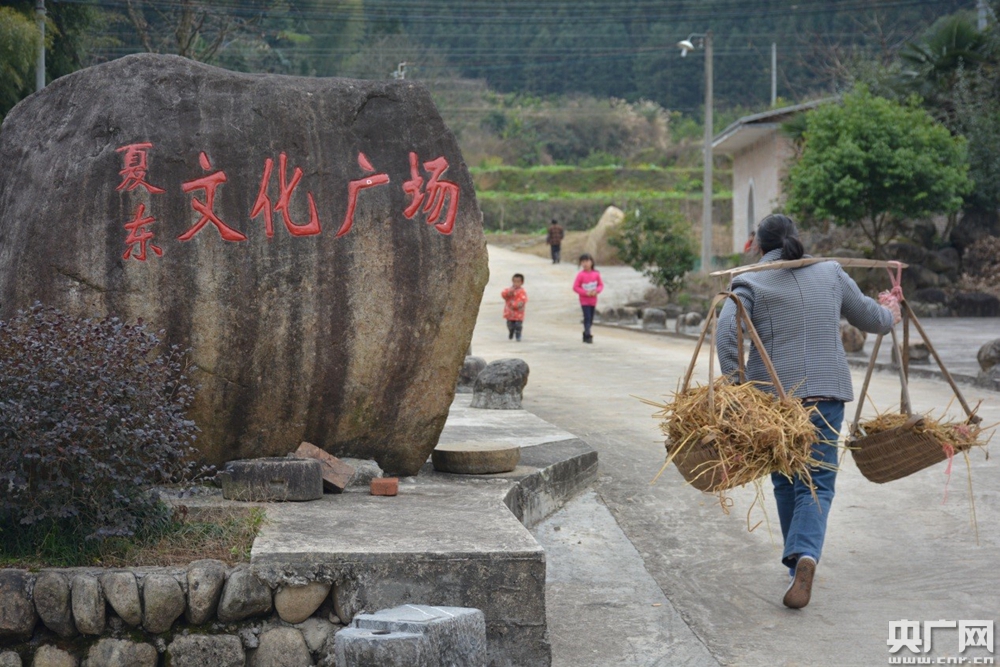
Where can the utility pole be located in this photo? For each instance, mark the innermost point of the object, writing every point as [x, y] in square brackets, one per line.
[981, 20]
[40, 63]
[706, 187]
[774, 74]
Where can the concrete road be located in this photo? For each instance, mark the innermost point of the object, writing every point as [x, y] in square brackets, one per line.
[643, 574]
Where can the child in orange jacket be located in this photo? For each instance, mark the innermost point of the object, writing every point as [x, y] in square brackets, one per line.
[514, 300]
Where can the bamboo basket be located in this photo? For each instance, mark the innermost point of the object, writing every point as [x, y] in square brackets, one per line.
[903, 450]
[699, 462]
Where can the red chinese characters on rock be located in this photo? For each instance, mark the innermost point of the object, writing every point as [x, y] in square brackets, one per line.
[285, 189]
[209, 184]
[434, 196]
[139, 236]
[134, 172]
[355, 187]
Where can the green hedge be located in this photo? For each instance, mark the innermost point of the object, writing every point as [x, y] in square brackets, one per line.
[531, 213]
[560, 179]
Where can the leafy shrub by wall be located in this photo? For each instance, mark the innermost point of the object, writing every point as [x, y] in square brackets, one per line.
[91, 416]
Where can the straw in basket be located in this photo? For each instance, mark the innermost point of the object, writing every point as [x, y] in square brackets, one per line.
[696, 445]
[916, 443]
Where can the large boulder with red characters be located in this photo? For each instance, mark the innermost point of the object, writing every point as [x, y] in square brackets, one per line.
[315, 242]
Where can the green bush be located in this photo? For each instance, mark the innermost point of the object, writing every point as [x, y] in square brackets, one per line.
[656, 240]
[91, 417]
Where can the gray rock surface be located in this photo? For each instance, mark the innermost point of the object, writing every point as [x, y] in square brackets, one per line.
[501, 385]
[471, 368]
[51, 656]
[281, 647]
[989, 354]
[122, 592]
[52, 602]
[88, 604]
[654, 318]
[347, 600]
[393, 288]
[357, 647]
[206, 651]
[273, 479]
[295, 604]
[122, 653]
[852, 337]
[318, 634]
[456, 635]
[627, 315]
[365, 470]
[609, 315]
[205, 579]
[243, 596]
[989, 379]
[10, 659]
[17, 613]
[162, 601]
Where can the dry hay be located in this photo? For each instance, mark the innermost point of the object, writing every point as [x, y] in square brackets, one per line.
[753, 434]
[958, 435]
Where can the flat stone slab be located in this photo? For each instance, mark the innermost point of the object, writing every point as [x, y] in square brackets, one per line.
[516, 427]
[272, 479]
[475, 458]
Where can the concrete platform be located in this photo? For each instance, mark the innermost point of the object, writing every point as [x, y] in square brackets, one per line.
[445, 540]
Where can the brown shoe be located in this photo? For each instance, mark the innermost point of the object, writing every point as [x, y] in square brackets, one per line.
[798, 593]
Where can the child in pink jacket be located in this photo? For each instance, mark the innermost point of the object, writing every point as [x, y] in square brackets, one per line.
[588, 285]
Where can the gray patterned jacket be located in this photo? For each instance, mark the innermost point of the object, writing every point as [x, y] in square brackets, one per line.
[797, 315]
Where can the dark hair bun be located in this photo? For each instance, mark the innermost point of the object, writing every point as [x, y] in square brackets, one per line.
[791, 248]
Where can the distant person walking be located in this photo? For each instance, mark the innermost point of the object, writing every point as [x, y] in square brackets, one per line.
[588, 285]
[554, 239]
[515, 298]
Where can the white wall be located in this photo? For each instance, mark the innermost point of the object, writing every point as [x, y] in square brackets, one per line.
[759, 166]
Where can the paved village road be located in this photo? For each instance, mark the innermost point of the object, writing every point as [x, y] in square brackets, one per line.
[644, 574]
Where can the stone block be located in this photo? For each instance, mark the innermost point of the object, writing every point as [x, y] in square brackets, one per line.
[318, 633]
[908, 253]
[17, 613]
[272, 480]
[943, 261]
[930, 295]
[336, 474]
[654, 318]
[88, 604]
[52, 602]
[282, 647]
[609, 316]
[364, 472]
[471, 368]
[243, 596]
[52, 656]
[206, 651]
[122, 592]
[457, 636]
[329, 303]
[163, 602]
[205, 579]
[852, 338]
[501, 385]
[10, 659]
[357, 647]
[385, 486]
[295, 604]
[627, 315]
[122, 653]
[988, 356]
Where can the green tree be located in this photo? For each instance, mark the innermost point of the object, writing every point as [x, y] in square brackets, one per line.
[875, 163]
[19, 40]
[656, 241]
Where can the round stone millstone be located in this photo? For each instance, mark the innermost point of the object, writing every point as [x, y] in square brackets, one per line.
[476, 458]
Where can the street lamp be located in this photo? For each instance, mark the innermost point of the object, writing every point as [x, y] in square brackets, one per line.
[704, 40]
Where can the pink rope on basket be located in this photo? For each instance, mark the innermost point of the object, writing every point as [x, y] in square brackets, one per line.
[949, 451]
[896, 292]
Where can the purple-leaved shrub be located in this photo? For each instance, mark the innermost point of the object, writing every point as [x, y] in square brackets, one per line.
[92, 415]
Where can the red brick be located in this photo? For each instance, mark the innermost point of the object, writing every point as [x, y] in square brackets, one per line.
[385, 486]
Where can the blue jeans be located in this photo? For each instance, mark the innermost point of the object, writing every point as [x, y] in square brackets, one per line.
[588, 318]
[803, 522]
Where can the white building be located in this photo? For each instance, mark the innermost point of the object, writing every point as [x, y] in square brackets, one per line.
[760, 153]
